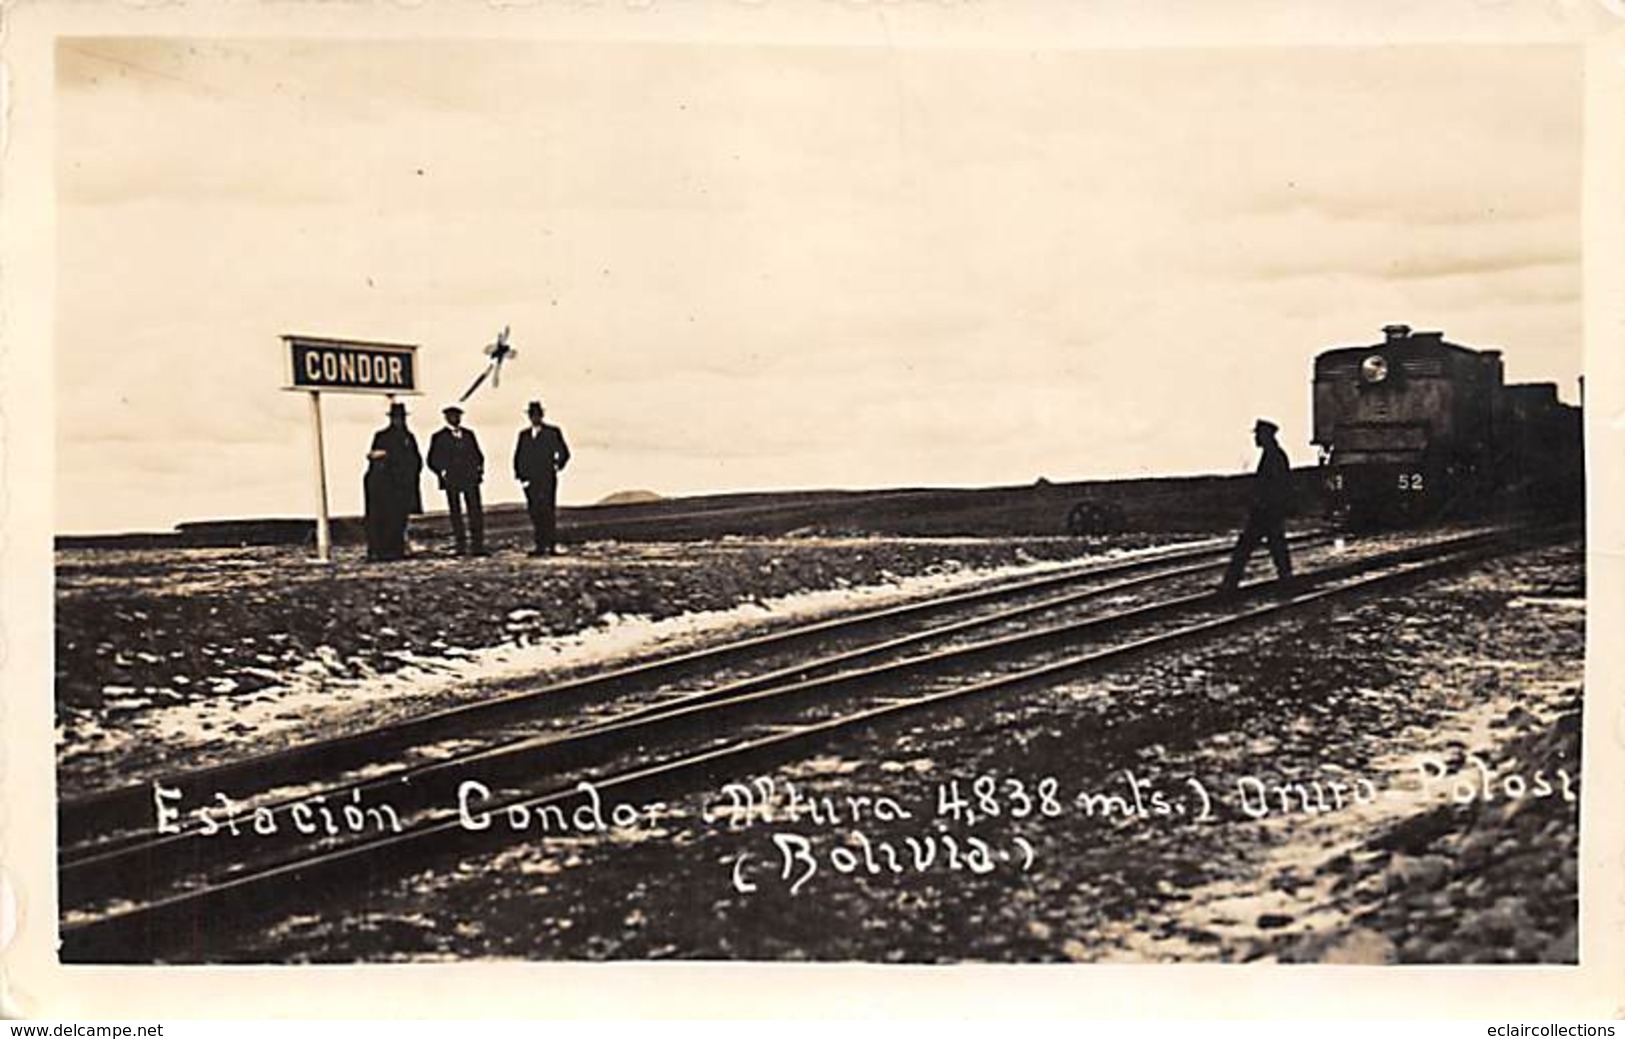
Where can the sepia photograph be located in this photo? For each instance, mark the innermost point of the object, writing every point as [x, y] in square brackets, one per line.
[594, 499]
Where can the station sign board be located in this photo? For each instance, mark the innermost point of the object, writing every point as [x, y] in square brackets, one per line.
[318, 365]
[351, 366]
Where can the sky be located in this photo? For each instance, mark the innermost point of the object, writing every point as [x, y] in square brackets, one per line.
[756, 267]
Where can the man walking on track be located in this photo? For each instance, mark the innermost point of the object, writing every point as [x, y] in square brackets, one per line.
[456, 458]
[1272, 492]
[538, 458]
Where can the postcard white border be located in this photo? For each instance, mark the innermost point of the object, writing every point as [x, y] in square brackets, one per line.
[39, 987]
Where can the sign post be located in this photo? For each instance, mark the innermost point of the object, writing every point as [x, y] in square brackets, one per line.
[324, 530]
[316, 365]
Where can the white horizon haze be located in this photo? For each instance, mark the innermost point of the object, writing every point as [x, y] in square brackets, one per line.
[770, 267]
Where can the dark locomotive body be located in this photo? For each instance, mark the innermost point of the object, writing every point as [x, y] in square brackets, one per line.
[1417, 428]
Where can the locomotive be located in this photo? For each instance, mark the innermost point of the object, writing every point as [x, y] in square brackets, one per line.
[1416, 428]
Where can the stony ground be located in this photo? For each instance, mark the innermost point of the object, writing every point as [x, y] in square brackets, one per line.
[1389, 780]
[170, 658]
[135, 626]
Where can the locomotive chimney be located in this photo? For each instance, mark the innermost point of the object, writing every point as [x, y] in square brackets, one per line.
[1394, 333]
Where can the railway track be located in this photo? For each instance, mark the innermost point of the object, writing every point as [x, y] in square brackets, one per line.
[89, 822]
[132, 892]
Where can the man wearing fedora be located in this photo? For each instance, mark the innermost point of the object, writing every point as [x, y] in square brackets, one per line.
[391, 486]
[538, 458]
[456, 458]
[1272, 494]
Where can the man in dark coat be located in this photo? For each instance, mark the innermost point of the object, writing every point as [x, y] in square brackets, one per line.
[391, 486]
[455, 457]
[538, 458]
[1272, 493]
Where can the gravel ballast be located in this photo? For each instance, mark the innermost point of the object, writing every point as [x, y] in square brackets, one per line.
[1384, 780]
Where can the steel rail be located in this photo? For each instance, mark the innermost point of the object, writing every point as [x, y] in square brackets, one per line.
[78, 865]
[93, 870]
[81, 820]
[146, 922]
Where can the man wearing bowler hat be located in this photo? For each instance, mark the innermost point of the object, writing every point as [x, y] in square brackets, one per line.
[1272, 493]
[391, 486]
[455, 457]
[538, 458]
